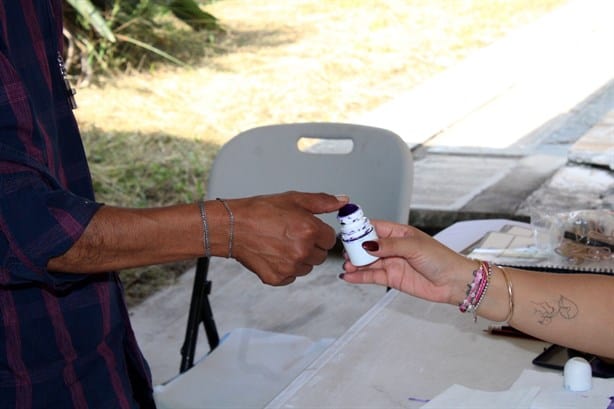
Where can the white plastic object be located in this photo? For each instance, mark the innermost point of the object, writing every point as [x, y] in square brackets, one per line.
[355, 230]
[577, 375]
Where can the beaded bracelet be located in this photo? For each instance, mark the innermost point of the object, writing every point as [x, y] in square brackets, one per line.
[476, 290]
[472, 288]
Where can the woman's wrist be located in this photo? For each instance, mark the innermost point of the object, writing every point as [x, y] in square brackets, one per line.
[462, 278]
[483, 289]
[498, 302]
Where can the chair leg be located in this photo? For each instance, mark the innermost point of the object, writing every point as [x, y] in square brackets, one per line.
[200, 311]
[208, 322]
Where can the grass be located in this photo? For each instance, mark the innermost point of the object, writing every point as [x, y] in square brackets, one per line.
[144, 169]
[151, 134]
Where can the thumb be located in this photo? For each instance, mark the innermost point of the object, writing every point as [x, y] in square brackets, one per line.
[317, 203]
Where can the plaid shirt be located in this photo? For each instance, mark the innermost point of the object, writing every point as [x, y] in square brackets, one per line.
[65, 339]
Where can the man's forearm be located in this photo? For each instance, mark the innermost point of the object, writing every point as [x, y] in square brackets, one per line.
[119, 238]
[275, 236]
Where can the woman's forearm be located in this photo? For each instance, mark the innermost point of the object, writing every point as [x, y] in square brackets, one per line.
[573, 310]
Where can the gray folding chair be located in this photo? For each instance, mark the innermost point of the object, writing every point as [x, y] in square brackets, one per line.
[372, 165]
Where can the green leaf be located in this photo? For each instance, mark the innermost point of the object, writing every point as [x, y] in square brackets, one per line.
[190, 13]
[92, 15]
[152, 49]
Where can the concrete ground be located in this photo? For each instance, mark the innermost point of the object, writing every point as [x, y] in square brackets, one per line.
[489, 132]
[523, 124]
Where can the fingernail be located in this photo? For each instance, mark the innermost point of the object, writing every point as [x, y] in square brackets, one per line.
[370, 245]
[341, 275]
[342, 198]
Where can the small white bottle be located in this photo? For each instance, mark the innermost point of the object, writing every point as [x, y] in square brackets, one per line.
[577, 375]
[355, 230]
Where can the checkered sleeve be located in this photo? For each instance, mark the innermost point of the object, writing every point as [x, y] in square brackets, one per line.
[40, 217]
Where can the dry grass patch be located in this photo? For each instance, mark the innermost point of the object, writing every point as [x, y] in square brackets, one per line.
[284, 61]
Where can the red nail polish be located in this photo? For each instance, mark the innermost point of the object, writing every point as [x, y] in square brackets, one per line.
[370, 245]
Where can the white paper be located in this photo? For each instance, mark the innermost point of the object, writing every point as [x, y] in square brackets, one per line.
[553, 395]
[532, 390]
[461, 397]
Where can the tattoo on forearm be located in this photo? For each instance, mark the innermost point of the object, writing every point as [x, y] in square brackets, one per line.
[546, 311]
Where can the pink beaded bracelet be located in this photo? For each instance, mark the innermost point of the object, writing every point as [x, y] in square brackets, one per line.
[472, 288]
[476, 290]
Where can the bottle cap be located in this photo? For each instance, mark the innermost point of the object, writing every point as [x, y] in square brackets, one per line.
[577, 375]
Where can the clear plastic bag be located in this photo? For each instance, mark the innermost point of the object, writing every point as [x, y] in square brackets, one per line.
[578, 236]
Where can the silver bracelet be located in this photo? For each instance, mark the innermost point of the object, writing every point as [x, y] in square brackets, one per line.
[232, 225]
[203, 218]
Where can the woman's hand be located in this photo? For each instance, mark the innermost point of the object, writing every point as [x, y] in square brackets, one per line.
[415, 263]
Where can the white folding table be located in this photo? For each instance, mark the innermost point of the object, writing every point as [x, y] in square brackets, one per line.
[405, 350]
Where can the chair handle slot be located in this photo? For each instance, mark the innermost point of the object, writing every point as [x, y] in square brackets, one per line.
[325, 146]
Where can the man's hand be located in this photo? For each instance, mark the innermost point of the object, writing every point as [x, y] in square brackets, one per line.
[279, 238]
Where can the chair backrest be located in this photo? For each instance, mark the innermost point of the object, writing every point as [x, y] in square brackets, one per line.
[372, 165]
